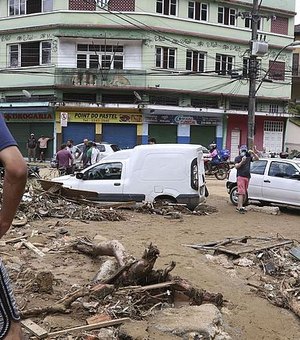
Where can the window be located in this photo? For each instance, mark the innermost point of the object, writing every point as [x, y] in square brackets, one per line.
[280, 25]
[165, 57]
[295, 68]
[258, 167]
[226, 16]
[102, 3]
[105, 171]
[166, 7]
[276, 70]
[248, 23]
[100, 56]
[21, 7]
[280, 169]
[195, 61]
[224, 64]
[273, 108]
[30, 54]
[197, 10]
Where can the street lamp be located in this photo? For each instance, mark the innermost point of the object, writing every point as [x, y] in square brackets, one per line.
[253, 90]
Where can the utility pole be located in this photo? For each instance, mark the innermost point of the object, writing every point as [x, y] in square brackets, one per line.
[252, 76]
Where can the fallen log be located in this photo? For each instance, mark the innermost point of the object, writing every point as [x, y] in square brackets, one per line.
[106, 248]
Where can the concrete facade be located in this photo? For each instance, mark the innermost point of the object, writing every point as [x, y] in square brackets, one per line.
[173, 70]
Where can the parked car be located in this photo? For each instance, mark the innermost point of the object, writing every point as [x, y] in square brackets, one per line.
[273, 180]
[104, 148]
[146, 173]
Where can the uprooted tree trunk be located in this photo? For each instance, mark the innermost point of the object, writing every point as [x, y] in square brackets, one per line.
[129, 272]
[141, 272]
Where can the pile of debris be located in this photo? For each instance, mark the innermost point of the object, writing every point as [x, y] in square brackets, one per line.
[278, 261]
[175, 210]
[124, 289]
[38, 204]
[58, 202]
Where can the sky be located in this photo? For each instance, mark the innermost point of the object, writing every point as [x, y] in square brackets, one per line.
[297, 18]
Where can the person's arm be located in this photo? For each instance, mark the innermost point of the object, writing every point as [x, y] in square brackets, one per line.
[71, 158]
[254, 155]
[239, 162]
[13, 185]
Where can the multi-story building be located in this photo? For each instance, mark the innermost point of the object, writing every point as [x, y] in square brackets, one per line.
[124, 70]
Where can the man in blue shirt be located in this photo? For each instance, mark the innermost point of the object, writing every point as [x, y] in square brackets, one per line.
[13, 188]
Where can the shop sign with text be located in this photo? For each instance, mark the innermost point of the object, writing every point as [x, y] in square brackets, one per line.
[25, 117]
[100, 117]
[180, 119]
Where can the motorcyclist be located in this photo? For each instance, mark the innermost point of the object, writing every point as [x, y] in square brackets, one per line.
[213, 155]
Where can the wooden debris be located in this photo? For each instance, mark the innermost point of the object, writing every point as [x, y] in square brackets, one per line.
[30, 246]
[244, 245]
[98, 318]
[90, 327]
[19, 222]
[61, 306]
[34, 328]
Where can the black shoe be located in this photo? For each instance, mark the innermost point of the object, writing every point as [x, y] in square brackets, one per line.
[240, 210]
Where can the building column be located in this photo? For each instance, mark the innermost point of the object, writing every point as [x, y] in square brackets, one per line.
[144, 137]
[219, 135]
[183, 134]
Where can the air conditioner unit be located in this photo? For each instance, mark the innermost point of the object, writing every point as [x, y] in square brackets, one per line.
[259, 48]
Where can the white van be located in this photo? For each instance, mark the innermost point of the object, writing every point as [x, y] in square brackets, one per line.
[146, 173]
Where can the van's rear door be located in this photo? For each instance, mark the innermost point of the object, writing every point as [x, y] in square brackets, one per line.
[201, 174]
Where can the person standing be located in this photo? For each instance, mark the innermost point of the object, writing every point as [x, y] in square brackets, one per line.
[242, 164]
[64, 160]
[31, 147]
[43, 145]
[13, 187]
[94, 154]
[84, 157]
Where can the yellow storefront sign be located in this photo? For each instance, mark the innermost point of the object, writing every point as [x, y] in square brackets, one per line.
[102, 117]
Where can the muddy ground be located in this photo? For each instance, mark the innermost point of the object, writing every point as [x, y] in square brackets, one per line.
[246, 315]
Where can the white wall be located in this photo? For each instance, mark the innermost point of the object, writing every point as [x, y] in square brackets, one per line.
[292, 136]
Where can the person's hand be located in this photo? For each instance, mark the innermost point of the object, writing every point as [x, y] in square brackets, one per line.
[244, 159]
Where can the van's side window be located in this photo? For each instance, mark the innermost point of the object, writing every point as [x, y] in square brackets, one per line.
[105, 171]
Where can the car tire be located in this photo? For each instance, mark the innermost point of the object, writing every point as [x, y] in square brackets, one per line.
[234, 196]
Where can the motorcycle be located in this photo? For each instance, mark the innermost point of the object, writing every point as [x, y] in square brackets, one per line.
[221, 169]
